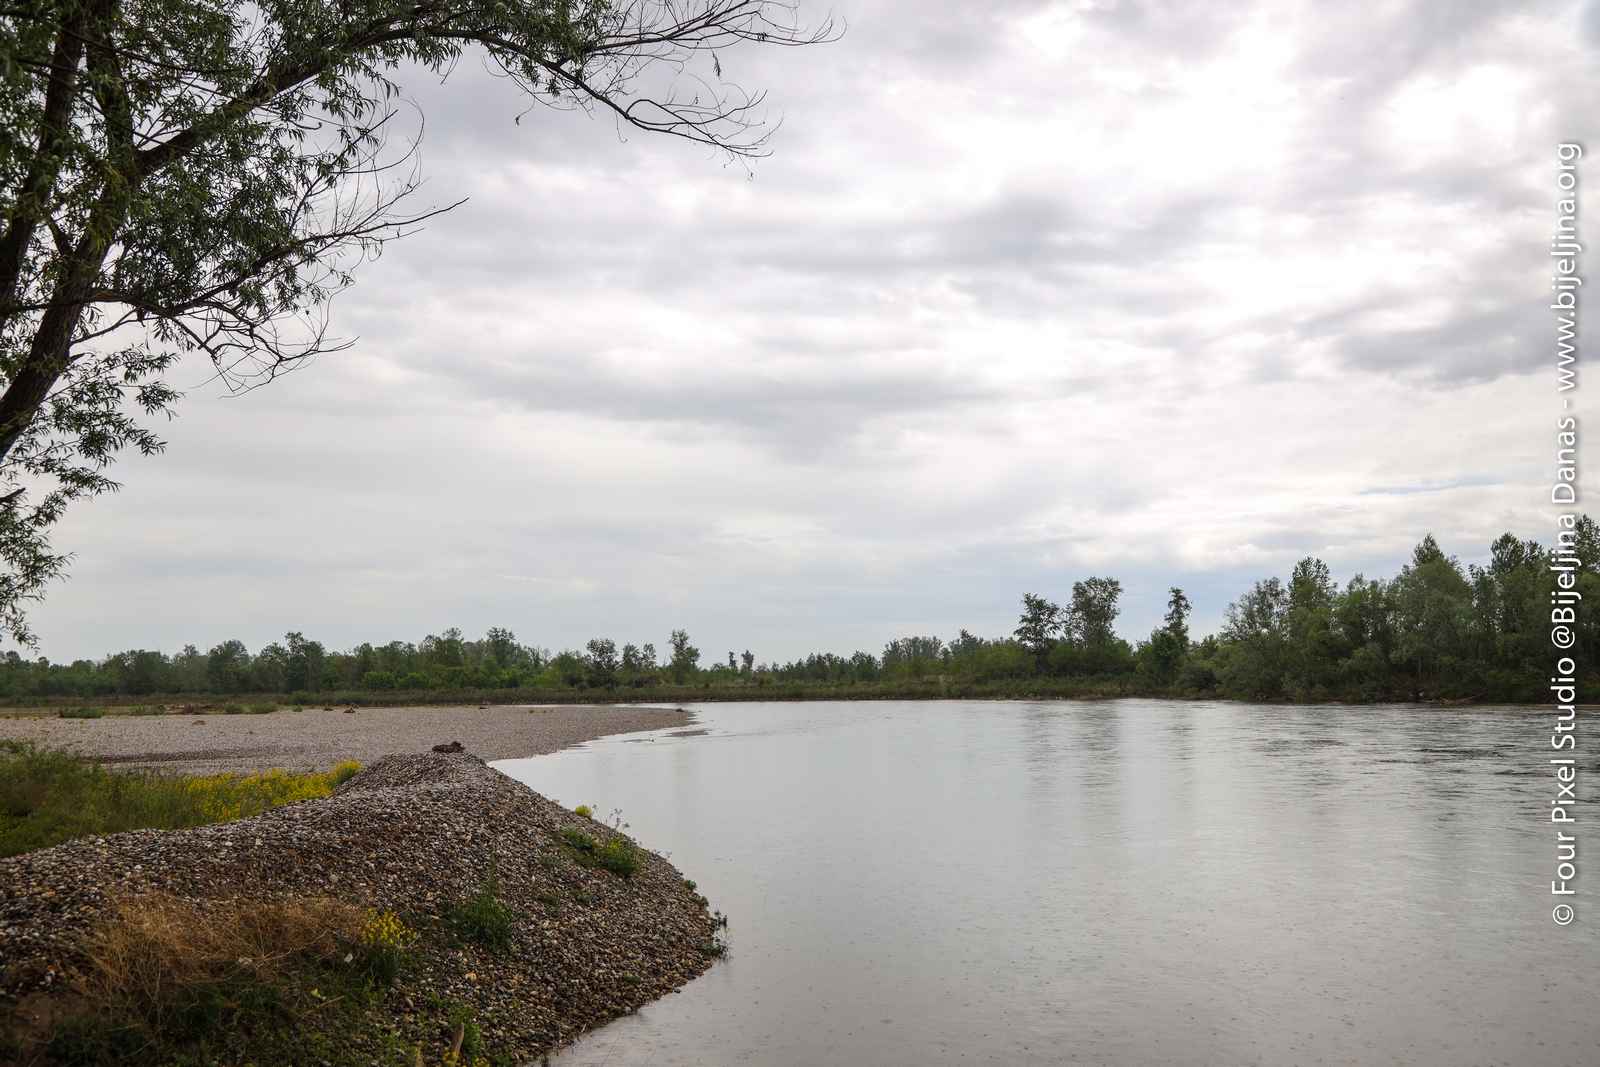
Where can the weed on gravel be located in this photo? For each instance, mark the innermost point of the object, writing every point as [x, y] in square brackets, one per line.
[481, 917]
[286, 982]
[51, 796]
[617, 854]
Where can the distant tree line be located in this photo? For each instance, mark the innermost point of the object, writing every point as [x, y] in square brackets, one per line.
[1437, 630]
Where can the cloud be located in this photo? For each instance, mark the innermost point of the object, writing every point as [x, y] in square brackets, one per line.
[1177, 292]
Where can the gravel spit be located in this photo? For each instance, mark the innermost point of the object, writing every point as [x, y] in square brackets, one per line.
[412, 832]
[212, 743]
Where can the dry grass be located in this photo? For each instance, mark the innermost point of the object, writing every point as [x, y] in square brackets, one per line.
[146, 950]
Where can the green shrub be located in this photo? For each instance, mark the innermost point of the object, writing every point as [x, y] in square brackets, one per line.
[234, 709]
[144, 710]
[618, 855]
[583, 811]
[266, 707]
[83, 713]
[301, 697]
[481, 917]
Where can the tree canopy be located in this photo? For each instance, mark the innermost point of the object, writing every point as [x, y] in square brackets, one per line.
[203, 175]
[1436, 631]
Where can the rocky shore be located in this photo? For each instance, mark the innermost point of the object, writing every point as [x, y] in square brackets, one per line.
[414, 833]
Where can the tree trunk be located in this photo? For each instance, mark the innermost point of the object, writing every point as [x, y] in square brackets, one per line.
[38, 186]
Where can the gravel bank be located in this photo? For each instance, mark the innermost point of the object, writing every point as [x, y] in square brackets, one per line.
[212, 743]
[409, 832]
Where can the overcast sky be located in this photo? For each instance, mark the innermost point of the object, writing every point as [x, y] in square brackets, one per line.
[1176, 293]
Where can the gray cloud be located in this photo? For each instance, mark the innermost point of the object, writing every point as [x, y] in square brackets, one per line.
[1177, 292]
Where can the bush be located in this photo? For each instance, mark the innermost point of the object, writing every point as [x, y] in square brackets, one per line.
[264, 708]
[82, 713]
[233, 709]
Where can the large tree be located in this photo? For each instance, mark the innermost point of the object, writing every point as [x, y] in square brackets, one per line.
[202, 175]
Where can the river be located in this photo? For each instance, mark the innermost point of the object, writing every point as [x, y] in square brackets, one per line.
[1124, 883]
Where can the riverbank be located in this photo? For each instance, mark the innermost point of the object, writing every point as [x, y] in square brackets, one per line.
[726, 688]
[209, 742]
[714, 690]
[512, 924]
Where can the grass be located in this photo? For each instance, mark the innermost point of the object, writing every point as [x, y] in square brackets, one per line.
[82, 713]
[286, 981]
[277, 982]
[717, 947]
[53, 796]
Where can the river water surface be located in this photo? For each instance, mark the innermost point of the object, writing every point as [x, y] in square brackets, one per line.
[1125, 883]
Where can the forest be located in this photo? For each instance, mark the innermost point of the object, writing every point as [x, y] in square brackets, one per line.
[1437, 630]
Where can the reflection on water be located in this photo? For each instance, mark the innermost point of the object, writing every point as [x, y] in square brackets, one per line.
[1125, 883]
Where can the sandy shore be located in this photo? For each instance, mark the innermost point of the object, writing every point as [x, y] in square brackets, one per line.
[318, 739]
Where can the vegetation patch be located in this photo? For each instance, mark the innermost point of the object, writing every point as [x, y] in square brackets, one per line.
[47, 797]
[482, 917]
[385, 942]
[617, 854]
[285, 981]
[82, 713]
